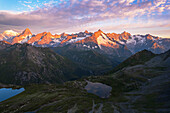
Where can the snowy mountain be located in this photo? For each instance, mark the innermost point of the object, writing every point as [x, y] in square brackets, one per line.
[23, 37]
[140, 42]
[104, 45]
[107, 42]
[8, 35]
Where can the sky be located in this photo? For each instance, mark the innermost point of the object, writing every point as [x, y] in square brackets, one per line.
[70, 16]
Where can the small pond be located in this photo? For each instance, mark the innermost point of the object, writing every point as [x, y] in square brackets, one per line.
[99, 89]
[6, 93]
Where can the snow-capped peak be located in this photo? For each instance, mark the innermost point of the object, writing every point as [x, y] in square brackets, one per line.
[105, 41]
[10, 32]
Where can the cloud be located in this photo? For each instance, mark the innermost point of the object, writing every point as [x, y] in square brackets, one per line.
[51, 2]
[63, 16]
[29, 6]
[27, 2]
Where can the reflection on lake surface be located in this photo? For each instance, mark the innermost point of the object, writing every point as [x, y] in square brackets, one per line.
[98, 89]
[6, 93]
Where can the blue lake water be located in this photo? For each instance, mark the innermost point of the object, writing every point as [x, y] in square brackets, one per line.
[6, 93]
[99, 89]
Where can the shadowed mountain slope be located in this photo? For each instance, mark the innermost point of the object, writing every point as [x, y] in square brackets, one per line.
[23, 64]
[136, 59]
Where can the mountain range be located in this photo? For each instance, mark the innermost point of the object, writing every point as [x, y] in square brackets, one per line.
[87, 40]
[55, 69]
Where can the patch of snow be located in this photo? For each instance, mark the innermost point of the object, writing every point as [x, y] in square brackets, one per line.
[10, 32]
[56, 40]
[88, 47]
[100, 40]
[33, 43]
[121, 42]
[88, 35]
[81, 38]
[131, 41]
[105, 36]
[25, 39]
[4, 37]
[104, 40]
[75, 40]
[100, 46]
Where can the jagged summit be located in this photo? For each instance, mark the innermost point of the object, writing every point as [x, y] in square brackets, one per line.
[125, 36]
[23, 37]
[63, 34]
[125, 32]
[86, 31]
[100, 30]
[26, 32]
[92, 38]
[41, 38]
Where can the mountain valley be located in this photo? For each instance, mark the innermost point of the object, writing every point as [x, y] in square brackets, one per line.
[55, 70]
[140, 86]
[84, 56]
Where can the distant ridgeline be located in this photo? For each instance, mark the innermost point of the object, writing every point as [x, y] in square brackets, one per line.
[25, 58]
[88, 40]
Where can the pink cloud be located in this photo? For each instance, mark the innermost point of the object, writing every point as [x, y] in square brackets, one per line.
[63, 17]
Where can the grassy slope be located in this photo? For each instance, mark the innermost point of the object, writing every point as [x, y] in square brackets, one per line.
[61, 98]
[136, 59]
